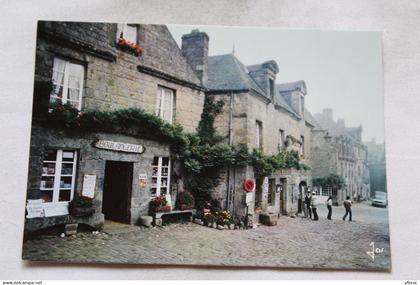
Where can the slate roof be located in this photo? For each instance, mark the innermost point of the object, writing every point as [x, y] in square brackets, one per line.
[227, 73]
[292, 86]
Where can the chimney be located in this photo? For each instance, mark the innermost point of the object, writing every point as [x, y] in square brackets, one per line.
[195, 48]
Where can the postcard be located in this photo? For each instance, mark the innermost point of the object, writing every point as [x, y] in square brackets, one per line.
[207, 145]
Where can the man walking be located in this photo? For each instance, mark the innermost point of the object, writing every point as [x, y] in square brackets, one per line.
[347, 206]
[314, 203]
[308, 212]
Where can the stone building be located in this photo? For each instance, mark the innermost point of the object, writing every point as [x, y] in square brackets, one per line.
[258, 114]
[337, 149]
[91, 70]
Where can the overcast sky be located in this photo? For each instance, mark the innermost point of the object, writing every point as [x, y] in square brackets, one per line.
[342, 70]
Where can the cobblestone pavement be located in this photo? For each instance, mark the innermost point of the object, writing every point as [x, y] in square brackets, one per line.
[294, 242]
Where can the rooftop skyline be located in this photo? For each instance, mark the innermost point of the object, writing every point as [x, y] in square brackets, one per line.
[342, 69]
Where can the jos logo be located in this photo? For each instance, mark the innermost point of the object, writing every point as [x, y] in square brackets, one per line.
[375, 250]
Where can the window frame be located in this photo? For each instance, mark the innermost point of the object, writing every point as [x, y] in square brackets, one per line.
[281, 139]
[160, 104]
[158, 186]
[58, 176]
[66, 76]
[258, 135]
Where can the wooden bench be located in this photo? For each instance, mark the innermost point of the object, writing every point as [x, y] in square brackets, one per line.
[157, 217]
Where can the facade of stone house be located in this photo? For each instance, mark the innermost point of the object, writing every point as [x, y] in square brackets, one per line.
[257, 114]
[89, 70]
[377, 167]
[339, 150]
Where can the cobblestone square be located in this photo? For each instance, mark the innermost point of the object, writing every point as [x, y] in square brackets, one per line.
[293, 243]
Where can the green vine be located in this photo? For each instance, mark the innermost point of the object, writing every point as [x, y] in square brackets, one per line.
[131, 121]
[333, 180]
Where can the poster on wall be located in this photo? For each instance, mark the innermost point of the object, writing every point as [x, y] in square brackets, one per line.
[88, 187]
[142, 180]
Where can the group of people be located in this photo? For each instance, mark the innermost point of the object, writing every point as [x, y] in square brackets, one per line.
[311, 204]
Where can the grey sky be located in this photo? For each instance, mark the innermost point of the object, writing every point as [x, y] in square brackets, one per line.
[342, 69]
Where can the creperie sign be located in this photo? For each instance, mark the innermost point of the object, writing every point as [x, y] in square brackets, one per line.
[119, 146]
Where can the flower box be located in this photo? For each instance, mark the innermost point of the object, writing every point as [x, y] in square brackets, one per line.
[161, 209]
[130, 47]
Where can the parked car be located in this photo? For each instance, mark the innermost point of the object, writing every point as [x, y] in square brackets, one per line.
[380, 199]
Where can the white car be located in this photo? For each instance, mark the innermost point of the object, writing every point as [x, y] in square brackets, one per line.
[380, 199]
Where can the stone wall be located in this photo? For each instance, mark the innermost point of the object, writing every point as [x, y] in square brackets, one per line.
[92, 160]
[247, 108]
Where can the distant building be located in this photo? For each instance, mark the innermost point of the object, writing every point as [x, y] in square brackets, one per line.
[377, 168]
[337, 149]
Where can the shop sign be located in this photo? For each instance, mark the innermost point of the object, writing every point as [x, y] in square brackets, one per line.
[143, 180]
[248, 198]
[88, 187]
[35, 209]
[119, 146]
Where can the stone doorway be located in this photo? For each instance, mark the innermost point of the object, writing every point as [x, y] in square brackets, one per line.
[116, 199]
[283, 196]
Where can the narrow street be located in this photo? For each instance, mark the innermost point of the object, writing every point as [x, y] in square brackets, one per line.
[294, 242]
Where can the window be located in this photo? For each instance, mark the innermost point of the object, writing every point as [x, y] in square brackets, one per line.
[161, 176]
[58, 175]
[67, 83]
[327, 190]
[271, 85]
[128, 32]
[281, 140]
[165, 104]
[258, 134]
[302, 146]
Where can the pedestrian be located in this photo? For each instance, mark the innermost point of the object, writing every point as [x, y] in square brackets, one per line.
[308, 212]
[314, 203]
[329, 207]
[347, 206]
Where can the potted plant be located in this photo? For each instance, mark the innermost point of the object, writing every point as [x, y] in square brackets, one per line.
[159, 205]
[184, 201]
[81, 206]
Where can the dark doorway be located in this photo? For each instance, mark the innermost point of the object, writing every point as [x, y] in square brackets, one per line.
[302, 190]
[258, 194]
[283, 195]
[116, 198]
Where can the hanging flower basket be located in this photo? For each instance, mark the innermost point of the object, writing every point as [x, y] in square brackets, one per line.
[130, 47]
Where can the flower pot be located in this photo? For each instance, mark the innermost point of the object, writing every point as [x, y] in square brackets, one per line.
[161, 209]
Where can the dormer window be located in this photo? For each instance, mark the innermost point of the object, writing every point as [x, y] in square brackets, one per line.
[127, 39]
[128, 32]
[271, 88]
